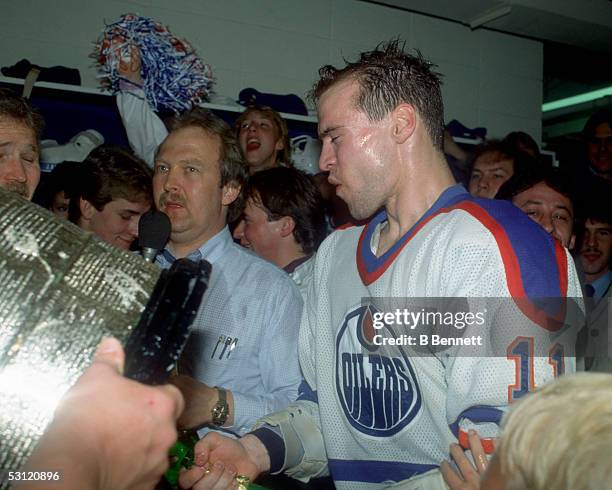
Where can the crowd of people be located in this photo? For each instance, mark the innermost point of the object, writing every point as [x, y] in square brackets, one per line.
[281, 373]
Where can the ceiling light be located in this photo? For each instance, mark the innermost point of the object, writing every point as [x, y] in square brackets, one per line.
[577, 99]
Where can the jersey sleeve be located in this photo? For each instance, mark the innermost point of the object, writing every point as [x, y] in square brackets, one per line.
[527, 339]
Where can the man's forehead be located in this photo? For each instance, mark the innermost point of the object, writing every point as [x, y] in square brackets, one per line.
[251, 210]
[492, 166]
[257, 115]
[194, 133]
[596, 224]
[545, 195]
[602, 130]
[341, 93]
[9, 125]
[11, 121]
[336, 107]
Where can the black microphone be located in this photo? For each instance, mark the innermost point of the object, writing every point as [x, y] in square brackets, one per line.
[153, 232]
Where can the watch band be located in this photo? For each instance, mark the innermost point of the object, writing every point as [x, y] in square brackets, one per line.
[220, 411]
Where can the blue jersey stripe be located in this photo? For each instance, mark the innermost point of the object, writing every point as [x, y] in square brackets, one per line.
[375, 471]
[305, 392]
[540, 260]
[370, 260]
[477, 414]
[533, 247]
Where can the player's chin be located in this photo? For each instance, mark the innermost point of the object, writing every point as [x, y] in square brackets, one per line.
[360, 212]
[342, 193]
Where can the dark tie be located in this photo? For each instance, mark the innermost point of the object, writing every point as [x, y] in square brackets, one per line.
[589, 290]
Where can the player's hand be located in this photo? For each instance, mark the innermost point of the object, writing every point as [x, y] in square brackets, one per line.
[220, 459]
[468, 477]
[199, 400]
[109, 432]
[130, 68]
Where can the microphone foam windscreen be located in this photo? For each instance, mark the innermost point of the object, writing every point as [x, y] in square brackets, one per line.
[153, 230]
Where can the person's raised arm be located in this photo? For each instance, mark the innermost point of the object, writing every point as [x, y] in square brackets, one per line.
[145, 131]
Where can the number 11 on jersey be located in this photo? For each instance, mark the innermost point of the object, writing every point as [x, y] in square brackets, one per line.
[521, 352]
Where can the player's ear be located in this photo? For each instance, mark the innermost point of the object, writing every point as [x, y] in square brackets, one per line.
[287, 226]
[572, 242]
[403, 122]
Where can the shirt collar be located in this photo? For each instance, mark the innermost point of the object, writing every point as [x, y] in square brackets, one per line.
[291, 266]
[211, 250]
[601, 285]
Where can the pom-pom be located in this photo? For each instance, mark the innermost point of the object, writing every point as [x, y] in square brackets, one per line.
[174, 76]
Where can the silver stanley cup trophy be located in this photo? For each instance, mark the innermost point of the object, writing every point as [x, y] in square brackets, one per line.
[61, 291]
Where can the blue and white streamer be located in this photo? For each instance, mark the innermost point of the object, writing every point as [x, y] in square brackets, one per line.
[174, 76]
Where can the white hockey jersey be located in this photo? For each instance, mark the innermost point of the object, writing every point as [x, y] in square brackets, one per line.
[389, 412]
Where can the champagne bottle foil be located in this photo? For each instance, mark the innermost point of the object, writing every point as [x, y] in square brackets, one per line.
[62, 291]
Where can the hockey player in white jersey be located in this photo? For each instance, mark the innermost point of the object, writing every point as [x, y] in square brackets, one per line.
[374, 415]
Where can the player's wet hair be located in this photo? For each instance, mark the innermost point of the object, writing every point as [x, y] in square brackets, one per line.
[387, 77]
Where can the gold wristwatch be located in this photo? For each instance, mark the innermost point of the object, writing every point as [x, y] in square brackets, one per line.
[220, 411]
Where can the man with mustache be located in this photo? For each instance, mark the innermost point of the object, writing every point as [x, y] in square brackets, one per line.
[593, 260]
[20, 130]
[241, 358]
[595, 252]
